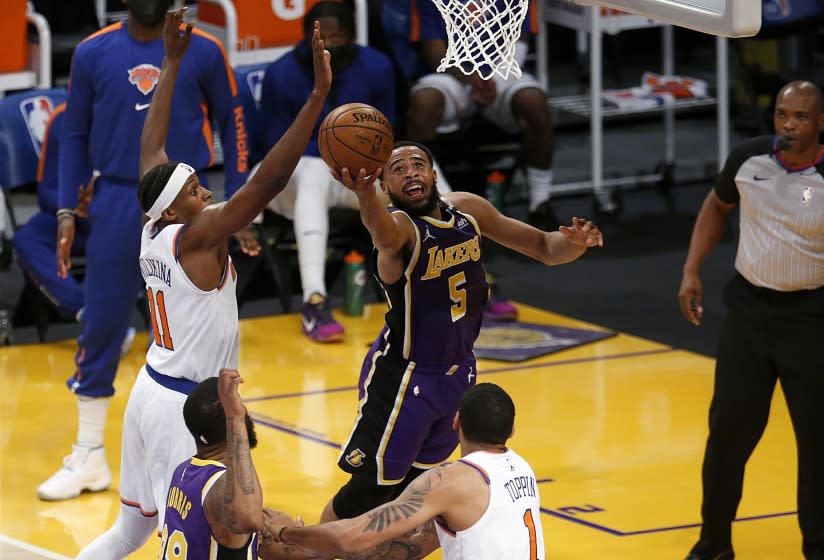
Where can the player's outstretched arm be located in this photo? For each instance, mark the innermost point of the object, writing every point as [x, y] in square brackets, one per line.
[554, 247]
[156, 125]
[234, 505]
[371, 534]
[212, 227]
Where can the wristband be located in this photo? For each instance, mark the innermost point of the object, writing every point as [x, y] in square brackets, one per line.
[280, 534]
[65, 212]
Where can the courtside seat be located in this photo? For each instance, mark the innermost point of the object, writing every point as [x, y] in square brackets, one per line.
[255, 31]
[24, 64]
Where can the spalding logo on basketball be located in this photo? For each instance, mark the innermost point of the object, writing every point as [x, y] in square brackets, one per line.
[355, 136]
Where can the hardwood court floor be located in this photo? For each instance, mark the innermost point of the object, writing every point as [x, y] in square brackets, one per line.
[614, 430]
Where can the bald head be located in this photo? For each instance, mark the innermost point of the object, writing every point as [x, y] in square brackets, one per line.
[800, 89]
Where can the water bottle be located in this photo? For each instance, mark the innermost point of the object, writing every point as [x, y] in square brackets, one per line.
[355, 283]
[495, 189]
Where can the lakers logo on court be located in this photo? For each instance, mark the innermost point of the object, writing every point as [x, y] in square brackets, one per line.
[514, 342]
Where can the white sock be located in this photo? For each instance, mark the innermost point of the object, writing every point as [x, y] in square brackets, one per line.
[129, 532]
[91, 420]
[539, 182]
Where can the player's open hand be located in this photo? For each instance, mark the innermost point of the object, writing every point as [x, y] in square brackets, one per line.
[358, 184]
[175, 39]
[321, 60]
[689, 297]
[583, 232]
[227, 390]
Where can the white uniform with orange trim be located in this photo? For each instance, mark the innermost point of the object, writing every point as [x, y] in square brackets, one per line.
[195, 335]
[511, 525]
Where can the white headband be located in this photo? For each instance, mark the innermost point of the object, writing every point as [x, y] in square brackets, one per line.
[170, 190]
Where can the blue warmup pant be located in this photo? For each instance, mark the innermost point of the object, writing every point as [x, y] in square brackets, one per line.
[111, 286]
[36, 245]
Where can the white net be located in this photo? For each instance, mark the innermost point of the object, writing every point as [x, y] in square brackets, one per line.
[482, 35]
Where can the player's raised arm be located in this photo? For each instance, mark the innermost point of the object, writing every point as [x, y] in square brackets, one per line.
[156, 125]
[554, 247]
[213, 226]
[234, 506]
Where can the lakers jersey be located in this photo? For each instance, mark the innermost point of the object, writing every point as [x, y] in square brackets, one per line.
[186, 533]
[195, 331]
[511, 525]
[436, 307]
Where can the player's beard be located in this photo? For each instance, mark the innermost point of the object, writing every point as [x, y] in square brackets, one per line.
[424, 209]
[150, 13]
[250, 432]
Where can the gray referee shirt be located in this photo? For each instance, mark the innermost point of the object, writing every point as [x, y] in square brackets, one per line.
[781, 244]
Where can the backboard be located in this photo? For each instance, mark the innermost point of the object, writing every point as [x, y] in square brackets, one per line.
[730, 18]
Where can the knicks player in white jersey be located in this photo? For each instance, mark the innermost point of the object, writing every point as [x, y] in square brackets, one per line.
[485, 506]
[190, 285]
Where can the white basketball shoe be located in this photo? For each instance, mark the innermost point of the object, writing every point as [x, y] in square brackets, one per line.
[84, 469]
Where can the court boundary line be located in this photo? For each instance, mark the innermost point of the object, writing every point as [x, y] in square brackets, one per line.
[34, 549]
[638, 532]
[491, 371]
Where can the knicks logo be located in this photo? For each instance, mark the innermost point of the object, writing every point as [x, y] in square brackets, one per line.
[144, 77]
[355, 457]
[36, 112]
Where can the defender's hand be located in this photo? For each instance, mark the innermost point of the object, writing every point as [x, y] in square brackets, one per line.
[175, 39]
[321, 61]
[227, 390]
[583, 232]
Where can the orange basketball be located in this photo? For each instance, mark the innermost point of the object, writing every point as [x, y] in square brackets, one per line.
[355, 136]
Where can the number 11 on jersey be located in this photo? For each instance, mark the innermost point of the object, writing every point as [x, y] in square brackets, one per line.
[157, 308]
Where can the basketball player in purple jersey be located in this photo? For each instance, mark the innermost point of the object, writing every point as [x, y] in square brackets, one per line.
[428, 260]
[215, 502]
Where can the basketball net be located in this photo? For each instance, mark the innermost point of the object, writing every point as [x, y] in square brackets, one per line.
[482, 35]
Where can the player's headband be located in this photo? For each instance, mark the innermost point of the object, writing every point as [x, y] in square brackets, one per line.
[170, 190]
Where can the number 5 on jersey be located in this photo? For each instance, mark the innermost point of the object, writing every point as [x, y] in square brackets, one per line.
[157, 308]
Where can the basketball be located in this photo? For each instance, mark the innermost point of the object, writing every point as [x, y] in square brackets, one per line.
[355, 136]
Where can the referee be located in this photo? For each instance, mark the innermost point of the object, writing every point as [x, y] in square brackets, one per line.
[774, 326]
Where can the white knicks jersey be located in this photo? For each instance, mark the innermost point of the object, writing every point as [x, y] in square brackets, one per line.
[510, 527]
[195, 331]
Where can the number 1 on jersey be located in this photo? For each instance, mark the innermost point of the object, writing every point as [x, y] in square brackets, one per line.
[533, 538]
[160, 309]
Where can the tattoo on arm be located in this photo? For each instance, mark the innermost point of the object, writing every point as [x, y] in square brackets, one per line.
[407, 504]
[406, 547]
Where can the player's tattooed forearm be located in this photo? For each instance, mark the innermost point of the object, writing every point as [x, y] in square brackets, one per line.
[407, 505]
[401, 548]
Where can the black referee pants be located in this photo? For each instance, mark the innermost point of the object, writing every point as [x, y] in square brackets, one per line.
[767, 336]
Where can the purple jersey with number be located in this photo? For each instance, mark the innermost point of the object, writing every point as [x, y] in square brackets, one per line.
[436, 307]
[186, 533]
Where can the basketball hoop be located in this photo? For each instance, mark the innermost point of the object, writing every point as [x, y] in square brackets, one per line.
[481, 35]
